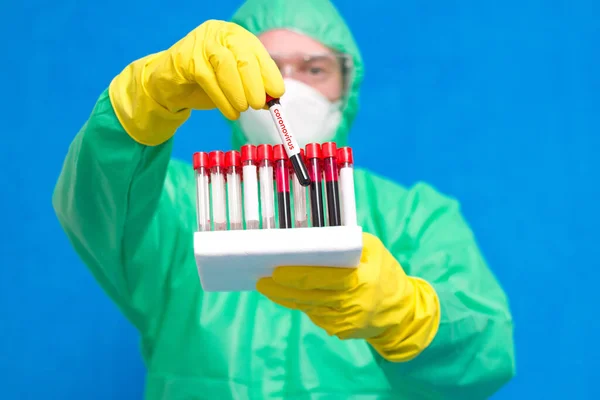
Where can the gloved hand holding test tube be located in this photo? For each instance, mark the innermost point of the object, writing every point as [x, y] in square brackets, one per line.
[132, 230]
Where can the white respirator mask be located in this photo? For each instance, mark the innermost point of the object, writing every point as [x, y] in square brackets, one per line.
[312, 117]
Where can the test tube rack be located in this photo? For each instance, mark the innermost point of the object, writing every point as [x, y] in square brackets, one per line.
[234, 258]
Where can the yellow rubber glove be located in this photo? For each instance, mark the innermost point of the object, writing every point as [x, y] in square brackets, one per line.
[397, 314]
[217, 65]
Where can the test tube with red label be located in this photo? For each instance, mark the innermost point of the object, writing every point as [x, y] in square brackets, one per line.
[233, 166]
[288, 138]
[282, 179]
[313, 158]
[250, 178]
[300, 216]
[345, 161]
[201, 167]
[330, 168]
[217, 186]
[265, 177]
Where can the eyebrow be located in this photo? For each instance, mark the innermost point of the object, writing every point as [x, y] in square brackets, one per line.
[321, 57]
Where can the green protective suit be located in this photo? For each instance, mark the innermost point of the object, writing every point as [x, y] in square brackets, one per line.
[129, 211]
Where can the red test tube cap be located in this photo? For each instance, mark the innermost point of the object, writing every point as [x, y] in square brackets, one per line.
[269, 98]
[200, 159]
[264, 152]
[248, 153]
[302, 157]
[313, 150]
[216, 158]
[329, 149]
[344, 155]
[279, 152]
[233, 159]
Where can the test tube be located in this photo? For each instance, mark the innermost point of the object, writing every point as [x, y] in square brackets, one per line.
[346, 164]
[217, 185]
[250, 178]
[313, 157]
[265, 177]
[300, 217]
[233, 165]
[200, 162]
[282, 178]
[329, 152]
[292, 149]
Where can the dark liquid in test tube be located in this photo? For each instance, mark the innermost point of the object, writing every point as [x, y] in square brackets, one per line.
[313, 157]
[282, 180]
[329, 152]
[285, 216]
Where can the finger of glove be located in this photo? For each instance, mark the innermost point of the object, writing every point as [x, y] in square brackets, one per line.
[252, 80]
[250, 74]
[272, 78]
[271, 75]
[302, 298]
[208, 82]
[323, 278]
[228, 77]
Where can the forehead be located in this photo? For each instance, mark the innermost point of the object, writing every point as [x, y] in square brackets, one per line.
[284, 41]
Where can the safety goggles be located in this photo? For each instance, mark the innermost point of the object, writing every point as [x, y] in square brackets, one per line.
[315, 69]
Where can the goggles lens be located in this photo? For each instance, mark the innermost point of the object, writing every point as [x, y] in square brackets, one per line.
[314, 69]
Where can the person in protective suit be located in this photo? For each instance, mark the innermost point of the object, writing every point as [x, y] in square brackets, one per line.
[422, 316]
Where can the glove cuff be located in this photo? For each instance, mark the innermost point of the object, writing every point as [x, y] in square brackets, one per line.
[415, 332]
[142, 117]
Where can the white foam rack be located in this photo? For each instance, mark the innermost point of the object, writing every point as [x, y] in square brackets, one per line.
[234, 260]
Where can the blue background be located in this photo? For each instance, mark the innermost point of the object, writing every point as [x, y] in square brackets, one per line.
[496, 103]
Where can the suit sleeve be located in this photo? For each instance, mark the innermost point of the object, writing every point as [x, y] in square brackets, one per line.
[111, 201]
[472, 355]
